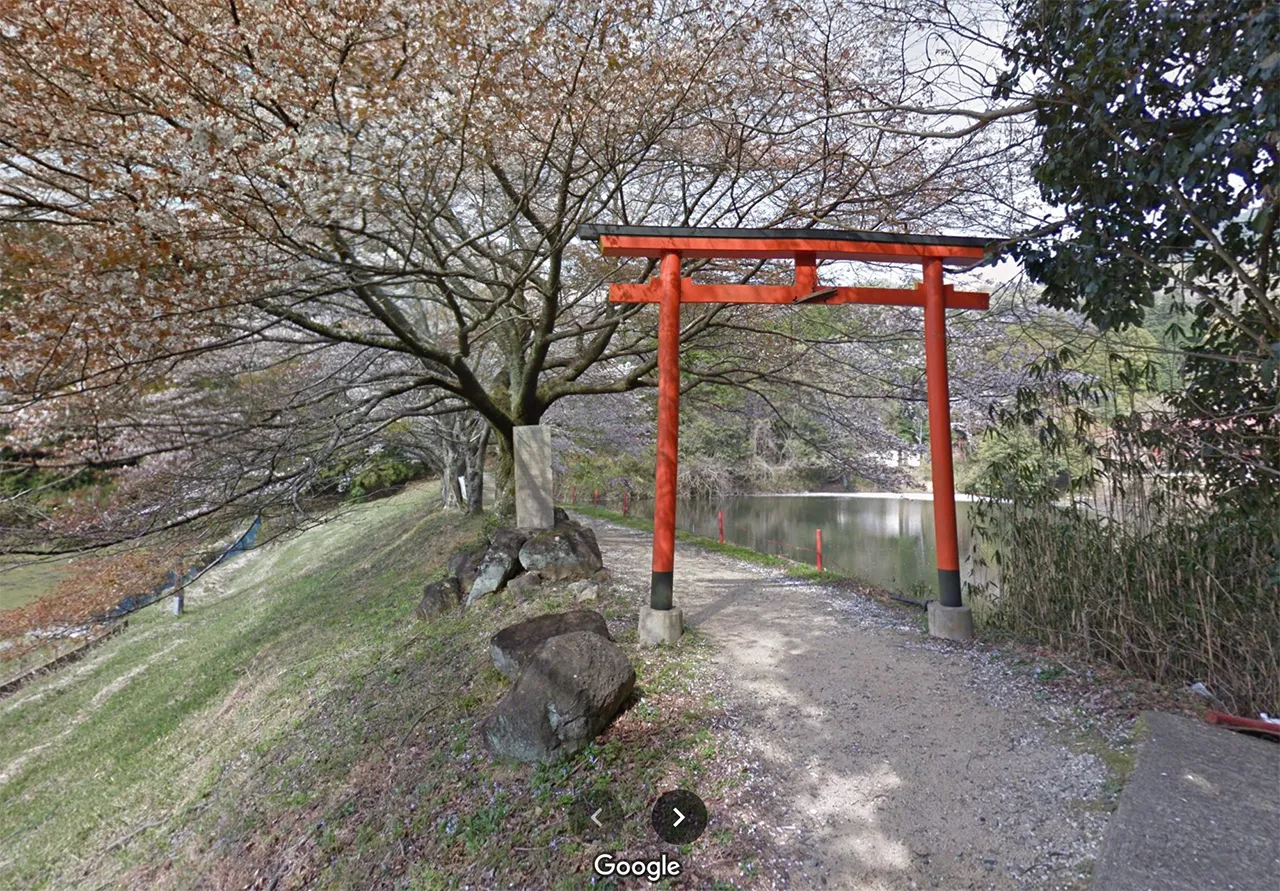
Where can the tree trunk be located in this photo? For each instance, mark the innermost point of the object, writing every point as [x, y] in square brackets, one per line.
[474, 469]
[504, 476]
[451, 460]
[450, 492]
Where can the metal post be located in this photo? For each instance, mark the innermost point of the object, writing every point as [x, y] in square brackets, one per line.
[817, 545]
[720, 518]
[664, 497]
[595, 497]
[944, 492]
[626, 500]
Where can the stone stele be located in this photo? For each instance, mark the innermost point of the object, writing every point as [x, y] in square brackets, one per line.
[535, 505]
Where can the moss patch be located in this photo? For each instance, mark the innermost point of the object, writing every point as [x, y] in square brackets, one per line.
[1119, 756]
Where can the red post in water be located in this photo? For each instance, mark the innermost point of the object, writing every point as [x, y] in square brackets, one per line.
[626, 500]
[944, 491]
[664, 496]
[817, 547]
[720, 518]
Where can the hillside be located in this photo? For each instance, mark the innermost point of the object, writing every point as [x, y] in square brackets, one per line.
[298, 728]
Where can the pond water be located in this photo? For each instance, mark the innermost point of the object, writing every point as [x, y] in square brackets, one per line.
[882, 538]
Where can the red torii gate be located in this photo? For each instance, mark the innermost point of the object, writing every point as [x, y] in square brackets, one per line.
[661, 622]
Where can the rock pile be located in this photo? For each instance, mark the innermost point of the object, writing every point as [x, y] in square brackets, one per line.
[570, 677]
[518, 560]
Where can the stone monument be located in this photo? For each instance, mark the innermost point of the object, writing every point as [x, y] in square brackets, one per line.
[535, 502]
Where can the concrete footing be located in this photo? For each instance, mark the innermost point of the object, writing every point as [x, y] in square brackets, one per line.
[950, 622]
[660, 626]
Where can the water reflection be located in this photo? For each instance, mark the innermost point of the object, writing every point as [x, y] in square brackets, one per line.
[886, 540]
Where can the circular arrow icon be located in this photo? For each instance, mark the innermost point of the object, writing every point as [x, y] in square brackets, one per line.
[679, 817]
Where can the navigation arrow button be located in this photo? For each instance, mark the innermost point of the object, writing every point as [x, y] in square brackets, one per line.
[595, 816]
[679, 817]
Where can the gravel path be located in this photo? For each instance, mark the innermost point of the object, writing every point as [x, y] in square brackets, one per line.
[894, 761]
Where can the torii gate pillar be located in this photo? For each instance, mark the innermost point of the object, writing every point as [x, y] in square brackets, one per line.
[949, 618]
[661, 622]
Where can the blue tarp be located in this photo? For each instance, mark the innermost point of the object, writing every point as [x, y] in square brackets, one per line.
[138, 601]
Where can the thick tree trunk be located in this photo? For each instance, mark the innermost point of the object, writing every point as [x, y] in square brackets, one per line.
[450, 491]
[504, 477]
[451, 460]
[474, 469]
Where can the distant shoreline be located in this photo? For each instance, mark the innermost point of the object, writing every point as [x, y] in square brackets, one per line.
[907, 496]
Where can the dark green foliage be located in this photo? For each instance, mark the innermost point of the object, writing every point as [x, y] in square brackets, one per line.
[20, 473]
[1010, 460]
[1158, 124]
[370, 472]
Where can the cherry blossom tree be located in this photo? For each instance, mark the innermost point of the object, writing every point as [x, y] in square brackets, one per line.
[401, 181]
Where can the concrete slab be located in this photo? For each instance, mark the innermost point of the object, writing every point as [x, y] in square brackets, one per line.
[535, 486]
[1201, 811]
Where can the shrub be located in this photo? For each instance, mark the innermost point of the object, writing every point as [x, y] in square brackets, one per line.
[1170, 587]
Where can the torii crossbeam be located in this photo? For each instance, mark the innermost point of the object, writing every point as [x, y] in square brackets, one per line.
[662, 622]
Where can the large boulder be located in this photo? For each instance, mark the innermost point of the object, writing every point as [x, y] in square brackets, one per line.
[513, 647]
[439, 597]
[464, 565]
[500, 562]
[563, 553]
[566, 695]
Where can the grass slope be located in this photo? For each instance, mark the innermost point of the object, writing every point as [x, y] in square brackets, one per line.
[22, 582]
[297, 729]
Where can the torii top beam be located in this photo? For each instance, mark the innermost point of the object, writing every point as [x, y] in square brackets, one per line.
[777, 244]
[804, 246]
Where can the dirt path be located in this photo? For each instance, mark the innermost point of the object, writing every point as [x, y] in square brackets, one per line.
[897, 761]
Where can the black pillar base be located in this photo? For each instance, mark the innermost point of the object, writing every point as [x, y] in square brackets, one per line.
[949, 587]
[660, 596]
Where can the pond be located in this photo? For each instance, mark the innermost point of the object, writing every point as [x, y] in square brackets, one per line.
[885, 539]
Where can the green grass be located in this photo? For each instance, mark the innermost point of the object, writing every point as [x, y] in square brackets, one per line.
[20, 583]
[298, 724]
[791, 567]
[151, 724]
[1050, 673]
